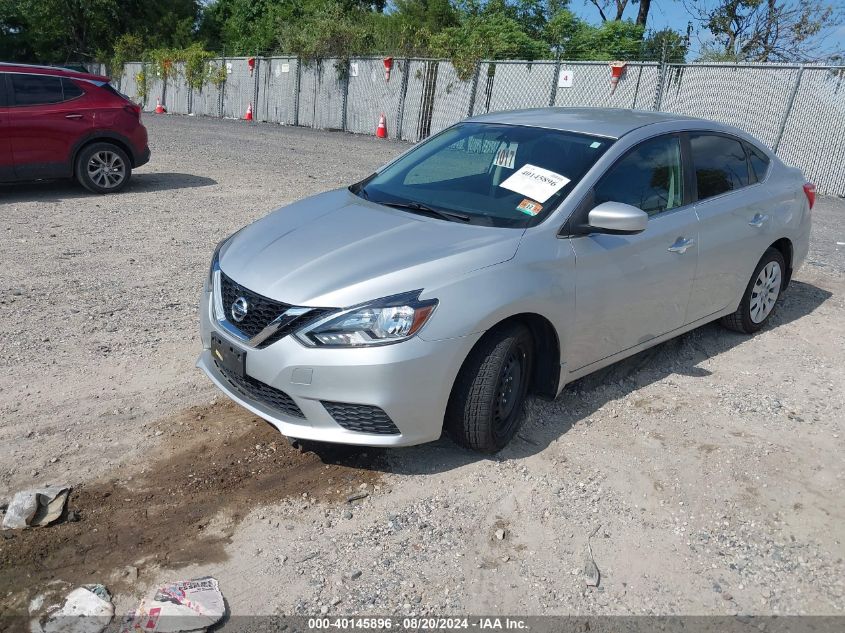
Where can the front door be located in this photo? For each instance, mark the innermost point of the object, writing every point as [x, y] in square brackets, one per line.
[633, 288]
[43, 125]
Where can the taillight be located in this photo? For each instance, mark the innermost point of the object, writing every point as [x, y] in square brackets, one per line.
[810, 192]
[133, 109]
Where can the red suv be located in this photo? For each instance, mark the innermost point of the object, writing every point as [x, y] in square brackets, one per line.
[58, 123]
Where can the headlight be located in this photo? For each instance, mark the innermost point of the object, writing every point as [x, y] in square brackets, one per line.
[380, 322]
[210, 278]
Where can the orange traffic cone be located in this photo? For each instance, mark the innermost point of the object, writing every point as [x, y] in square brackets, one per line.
[248, 115]
[381, 130]
[160, 108]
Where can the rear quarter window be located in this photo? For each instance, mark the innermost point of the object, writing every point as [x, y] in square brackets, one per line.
[71, 90]
[759, 162]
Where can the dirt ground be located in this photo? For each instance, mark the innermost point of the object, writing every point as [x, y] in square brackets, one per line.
[709, 470]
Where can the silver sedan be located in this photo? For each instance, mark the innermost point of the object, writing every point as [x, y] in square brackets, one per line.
[505, 256]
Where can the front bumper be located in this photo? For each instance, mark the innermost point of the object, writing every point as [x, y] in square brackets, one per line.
[410, 381]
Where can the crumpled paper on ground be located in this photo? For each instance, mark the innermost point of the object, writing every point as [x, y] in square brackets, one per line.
[35, 507]
[87, 609]
[186, 605]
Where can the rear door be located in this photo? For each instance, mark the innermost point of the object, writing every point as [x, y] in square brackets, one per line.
[7, 167]
[633, 288]
[46, 118]
[737, 217]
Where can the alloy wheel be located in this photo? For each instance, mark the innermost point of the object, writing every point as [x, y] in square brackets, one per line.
[106, 169]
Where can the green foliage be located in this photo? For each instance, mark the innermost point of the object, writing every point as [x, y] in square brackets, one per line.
[327, 32]
[198, 68]
[127, 47]
[485, 36]
[141, 84]
[161, 62]
[770, 30]
[666, 45]
[612, 40]
[59, 31]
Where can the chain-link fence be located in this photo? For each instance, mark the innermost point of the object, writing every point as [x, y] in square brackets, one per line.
[799, 111]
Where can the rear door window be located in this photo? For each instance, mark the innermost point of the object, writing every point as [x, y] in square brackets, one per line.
[720, 164]
[29, 90]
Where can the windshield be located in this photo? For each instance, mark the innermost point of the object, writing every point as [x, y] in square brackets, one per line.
[498, 175]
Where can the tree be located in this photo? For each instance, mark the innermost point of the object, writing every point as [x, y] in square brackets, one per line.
[604, 6]
[486, 36]
[665, 45]
[432, 15]
[58, 31]
[768, 30]
[246, 27]
[613, 39]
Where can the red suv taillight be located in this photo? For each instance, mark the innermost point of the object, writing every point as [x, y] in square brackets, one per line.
[134, 109]
[810, 192]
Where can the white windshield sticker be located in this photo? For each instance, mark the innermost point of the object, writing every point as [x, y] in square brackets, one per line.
[535, 182]
[506, 155]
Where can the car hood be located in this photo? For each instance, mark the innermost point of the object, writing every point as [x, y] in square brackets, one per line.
[336, 250]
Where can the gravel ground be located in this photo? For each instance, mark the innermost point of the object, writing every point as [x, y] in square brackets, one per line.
[709, 470]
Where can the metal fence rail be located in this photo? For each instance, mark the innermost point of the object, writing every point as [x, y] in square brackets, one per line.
[799, 111]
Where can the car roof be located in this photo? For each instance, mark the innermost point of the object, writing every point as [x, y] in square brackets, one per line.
[6, 67]
[606, 122]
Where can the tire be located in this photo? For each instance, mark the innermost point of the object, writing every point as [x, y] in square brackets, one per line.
[761, 295]
[98, 166]
[480, 415]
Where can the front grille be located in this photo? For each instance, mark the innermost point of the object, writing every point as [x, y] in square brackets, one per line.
[362, 418]
[262, 311]
[263, 393]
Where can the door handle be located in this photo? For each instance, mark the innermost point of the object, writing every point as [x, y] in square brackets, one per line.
[73, 116]
[758, 220]
[681, 245]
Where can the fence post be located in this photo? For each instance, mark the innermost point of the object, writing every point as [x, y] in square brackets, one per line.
[403, 91]
[474, 88]
[296, 91]
[661, 78]
[256, 74]
[637, 87]
[345, 95]
[222, 90]
[788, 111]
[555, 75]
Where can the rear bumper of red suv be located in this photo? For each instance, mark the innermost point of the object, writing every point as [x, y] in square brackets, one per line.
[142, 158]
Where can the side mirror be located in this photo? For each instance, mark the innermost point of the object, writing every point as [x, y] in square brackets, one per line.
[617, 218]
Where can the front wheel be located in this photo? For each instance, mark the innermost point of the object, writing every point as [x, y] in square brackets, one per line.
[760, 296]
[485, 408]
[103, 168]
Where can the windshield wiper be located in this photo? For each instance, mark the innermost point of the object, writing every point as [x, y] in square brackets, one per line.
[418, 207]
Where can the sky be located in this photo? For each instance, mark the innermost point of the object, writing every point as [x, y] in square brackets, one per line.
[673, 14]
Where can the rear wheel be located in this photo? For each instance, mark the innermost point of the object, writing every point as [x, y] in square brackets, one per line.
[485, 408]
[103, 168]
[761, 295]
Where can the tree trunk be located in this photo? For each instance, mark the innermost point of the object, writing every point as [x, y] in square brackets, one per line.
[620, 8]
[642, 14]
